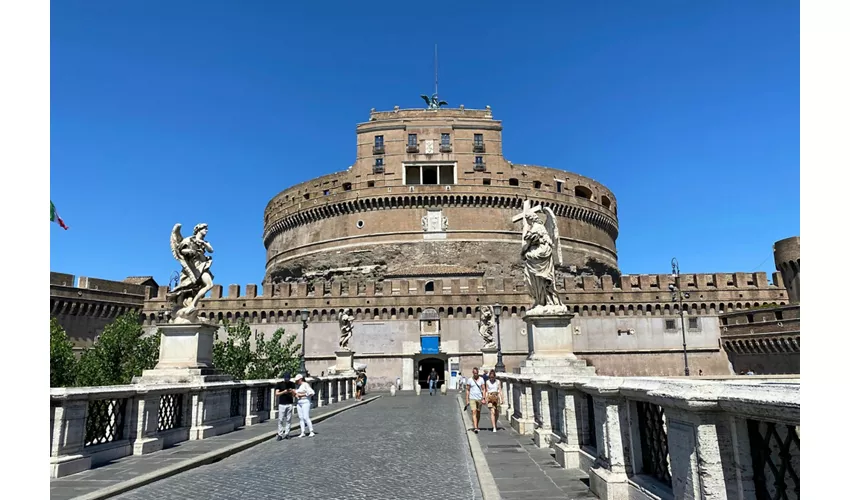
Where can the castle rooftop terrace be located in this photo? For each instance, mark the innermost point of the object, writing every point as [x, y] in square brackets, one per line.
[422, 113]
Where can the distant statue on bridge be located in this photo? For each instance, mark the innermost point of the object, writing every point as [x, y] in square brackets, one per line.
[346, 328]
[196, 279]
[485, 327]
[540, 249]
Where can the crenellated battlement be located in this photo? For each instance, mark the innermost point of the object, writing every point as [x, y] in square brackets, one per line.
[462, 297]
[643, 283]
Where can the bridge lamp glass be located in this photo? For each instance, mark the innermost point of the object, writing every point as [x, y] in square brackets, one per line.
[305, 315]
[497, 310]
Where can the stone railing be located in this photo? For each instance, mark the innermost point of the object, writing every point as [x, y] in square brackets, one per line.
[93, 425]
[656, 438]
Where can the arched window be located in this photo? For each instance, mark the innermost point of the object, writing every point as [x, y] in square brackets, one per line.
[606, 202]
[513, 182]
[583, 192]
[429, 287]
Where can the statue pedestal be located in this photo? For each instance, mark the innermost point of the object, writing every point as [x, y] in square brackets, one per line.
[185, 356]
[550, 344]
[344, 362]
[490, 357]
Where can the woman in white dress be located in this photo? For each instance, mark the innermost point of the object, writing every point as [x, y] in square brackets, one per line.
[303, 393]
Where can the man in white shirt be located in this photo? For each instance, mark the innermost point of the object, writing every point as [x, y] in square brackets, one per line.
[475, 397]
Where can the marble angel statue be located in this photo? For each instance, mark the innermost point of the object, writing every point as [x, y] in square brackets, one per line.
[485, 327]
[540, 250]
[195, 276]
[346, 328]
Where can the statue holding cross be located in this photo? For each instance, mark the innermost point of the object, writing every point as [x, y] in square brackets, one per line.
[541, 246]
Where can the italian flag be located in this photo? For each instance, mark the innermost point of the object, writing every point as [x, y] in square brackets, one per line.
[54, 217]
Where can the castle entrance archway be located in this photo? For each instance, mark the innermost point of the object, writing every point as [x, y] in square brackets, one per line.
[424, 367]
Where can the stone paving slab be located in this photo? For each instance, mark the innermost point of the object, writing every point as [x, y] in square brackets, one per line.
[98, 482]
[521, 470]
[405, 447]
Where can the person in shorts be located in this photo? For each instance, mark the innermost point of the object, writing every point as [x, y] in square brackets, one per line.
[475, 397]
[359, 394]
[493, 396]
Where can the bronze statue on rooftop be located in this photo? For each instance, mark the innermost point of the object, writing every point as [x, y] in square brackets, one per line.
[434, 102]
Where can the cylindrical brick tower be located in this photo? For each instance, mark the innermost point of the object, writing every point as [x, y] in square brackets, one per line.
[430, 193]
[786, 254]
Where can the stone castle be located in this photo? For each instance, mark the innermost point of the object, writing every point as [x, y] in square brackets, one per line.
[418, 234]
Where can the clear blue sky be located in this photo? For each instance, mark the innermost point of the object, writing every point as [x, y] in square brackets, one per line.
[165, 112]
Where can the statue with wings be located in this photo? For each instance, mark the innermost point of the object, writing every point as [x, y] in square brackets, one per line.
[195, 276]
[346, 328]
[541, 248]
[485, 327]
[434, 102]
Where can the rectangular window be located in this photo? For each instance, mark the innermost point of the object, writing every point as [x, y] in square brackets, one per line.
[445, 139]
[479, 139]
[693, 323]
[326, 192]
[411, 140]
[486, 182]
[379, 162]
[670, 324]
[379, 141]
[558, 186]
[411, 174]
[429, 174]
[370, 184]
[447, 174]
[479, 160]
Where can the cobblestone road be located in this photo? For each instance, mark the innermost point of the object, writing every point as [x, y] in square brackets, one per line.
[398, 448]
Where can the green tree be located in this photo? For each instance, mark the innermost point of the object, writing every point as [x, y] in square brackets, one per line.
[120, 353]
[269, 359]
[233, 356]
[63, 363]
[276, 356]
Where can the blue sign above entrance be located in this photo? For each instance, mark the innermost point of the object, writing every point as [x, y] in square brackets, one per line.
[430, 345]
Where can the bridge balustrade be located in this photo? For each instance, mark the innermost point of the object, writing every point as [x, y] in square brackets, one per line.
[665, 438]
[90, 426]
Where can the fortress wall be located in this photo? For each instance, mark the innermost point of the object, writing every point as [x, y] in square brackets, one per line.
[588, 296]
[85, 312]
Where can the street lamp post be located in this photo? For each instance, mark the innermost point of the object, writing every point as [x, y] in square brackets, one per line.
[500, 366]
[305, 315]
[678, 295]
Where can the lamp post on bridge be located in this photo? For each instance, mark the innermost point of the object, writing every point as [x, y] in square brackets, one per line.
[676, 294]
[305, 315]
[497, 311]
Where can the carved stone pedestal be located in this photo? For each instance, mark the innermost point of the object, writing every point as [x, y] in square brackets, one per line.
[490, 357]
[344, 363]
[185, 356]
[550, 344]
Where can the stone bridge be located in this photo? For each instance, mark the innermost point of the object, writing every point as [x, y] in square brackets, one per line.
[578, 437]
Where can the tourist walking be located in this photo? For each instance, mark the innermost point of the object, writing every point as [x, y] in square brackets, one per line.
[285, 402]
[494, 397]
[432, 381]
[475, 397]
[304, 392]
